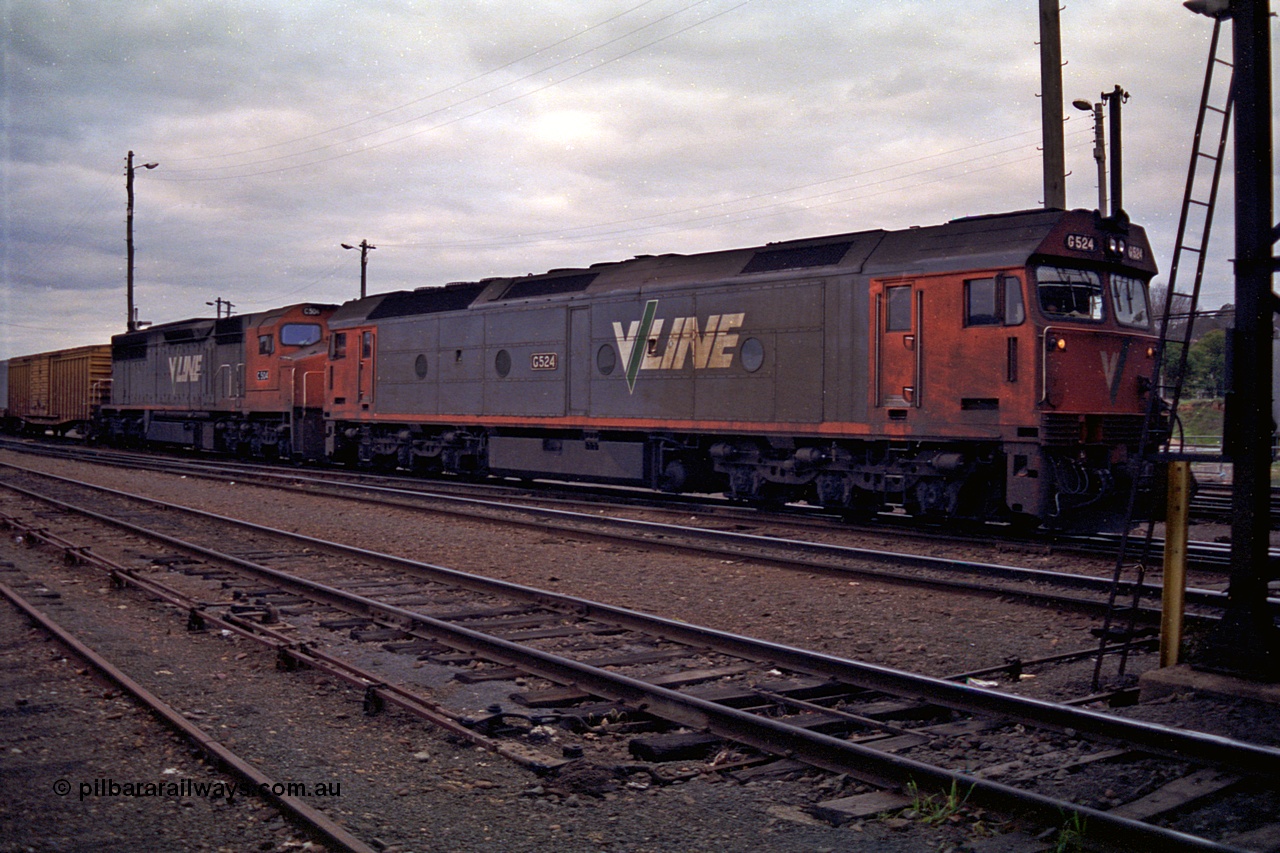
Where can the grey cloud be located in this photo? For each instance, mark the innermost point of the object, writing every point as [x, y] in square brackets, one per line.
[448, 135]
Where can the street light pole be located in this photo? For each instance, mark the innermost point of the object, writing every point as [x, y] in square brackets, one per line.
[1113, 99]
[364, 248]
[132, 321]
[1099, 149]
[220, 304]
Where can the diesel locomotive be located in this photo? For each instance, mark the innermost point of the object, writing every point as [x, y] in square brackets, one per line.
[992, 367]
[248, 385]
[995, 366]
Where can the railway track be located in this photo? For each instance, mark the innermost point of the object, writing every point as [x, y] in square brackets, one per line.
[467, 497]
[313, 821]
[1213, 501]
[588, 664]
[1065, 589]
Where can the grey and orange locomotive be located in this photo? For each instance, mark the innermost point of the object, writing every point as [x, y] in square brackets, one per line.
[992, 367]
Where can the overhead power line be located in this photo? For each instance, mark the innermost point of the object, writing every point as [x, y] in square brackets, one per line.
[198, 174]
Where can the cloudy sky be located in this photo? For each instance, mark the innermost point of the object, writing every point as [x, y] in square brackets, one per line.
[471, 138]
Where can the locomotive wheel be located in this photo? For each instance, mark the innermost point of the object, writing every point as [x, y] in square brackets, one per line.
[674, 477]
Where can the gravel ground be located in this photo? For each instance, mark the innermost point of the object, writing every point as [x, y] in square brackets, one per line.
[413, 789]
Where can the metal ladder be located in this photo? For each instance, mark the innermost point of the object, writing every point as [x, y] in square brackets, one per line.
[1178, 320]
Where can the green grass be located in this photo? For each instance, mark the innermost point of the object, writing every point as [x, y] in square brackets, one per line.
[935, 809]
[1201, 419]
[1202, 423]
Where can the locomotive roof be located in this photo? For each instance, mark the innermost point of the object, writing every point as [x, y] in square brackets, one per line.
[199, 328]
[1007, 239]
[970, 243]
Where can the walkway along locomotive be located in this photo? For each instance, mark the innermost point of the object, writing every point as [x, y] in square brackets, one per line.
[991, 367]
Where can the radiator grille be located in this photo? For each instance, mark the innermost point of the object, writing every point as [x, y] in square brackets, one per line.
[1060, 429]
[1122, 429]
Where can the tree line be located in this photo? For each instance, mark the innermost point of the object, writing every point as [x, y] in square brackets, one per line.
[1206, 359]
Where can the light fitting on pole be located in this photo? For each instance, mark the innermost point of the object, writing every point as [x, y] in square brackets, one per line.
[131, 319]
[1099, 148]
[1220, 9]
[365, 246]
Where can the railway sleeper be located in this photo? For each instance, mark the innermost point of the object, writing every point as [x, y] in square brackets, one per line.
[694, 746]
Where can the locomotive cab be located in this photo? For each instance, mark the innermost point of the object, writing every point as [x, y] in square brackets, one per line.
[1016, 389]
[283, 381]
[1097, 356]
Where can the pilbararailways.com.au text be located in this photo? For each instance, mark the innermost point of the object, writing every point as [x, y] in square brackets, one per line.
[194, 788]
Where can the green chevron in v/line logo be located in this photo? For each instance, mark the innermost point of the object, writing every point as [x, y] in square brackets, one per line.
[642, 345]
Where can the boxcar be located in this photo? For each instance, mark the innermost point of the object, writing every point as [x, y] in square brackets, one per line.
[57, 391]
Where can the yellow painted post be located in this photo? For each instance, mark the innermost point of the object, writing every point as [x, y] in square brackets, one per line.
[1175, 562]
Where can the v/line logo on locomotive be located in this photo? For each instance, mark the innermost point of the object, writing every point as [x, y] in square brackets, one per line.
[711, 346]
[185, 368]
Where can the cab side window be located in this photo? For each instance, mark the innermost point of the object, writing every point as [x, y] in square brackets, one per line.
[898, 309]
[266, 344]
[1015, 311]
[338, 346]
[980, 306]
[995, 301]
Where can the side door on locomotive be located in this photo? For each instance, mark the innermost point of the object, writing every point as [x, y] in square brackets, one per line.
[898, 348]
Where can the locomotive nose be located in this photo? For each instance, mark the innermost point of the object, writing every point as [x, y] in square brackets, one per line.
[1096, 371]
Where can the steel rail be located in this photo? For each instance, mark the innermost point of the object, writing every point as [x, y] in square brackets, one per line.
[1249, 758]
[1178, 743]
[288, 650]
[316, 821]
[1207, 553]
[730, 543]
[771, 736]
